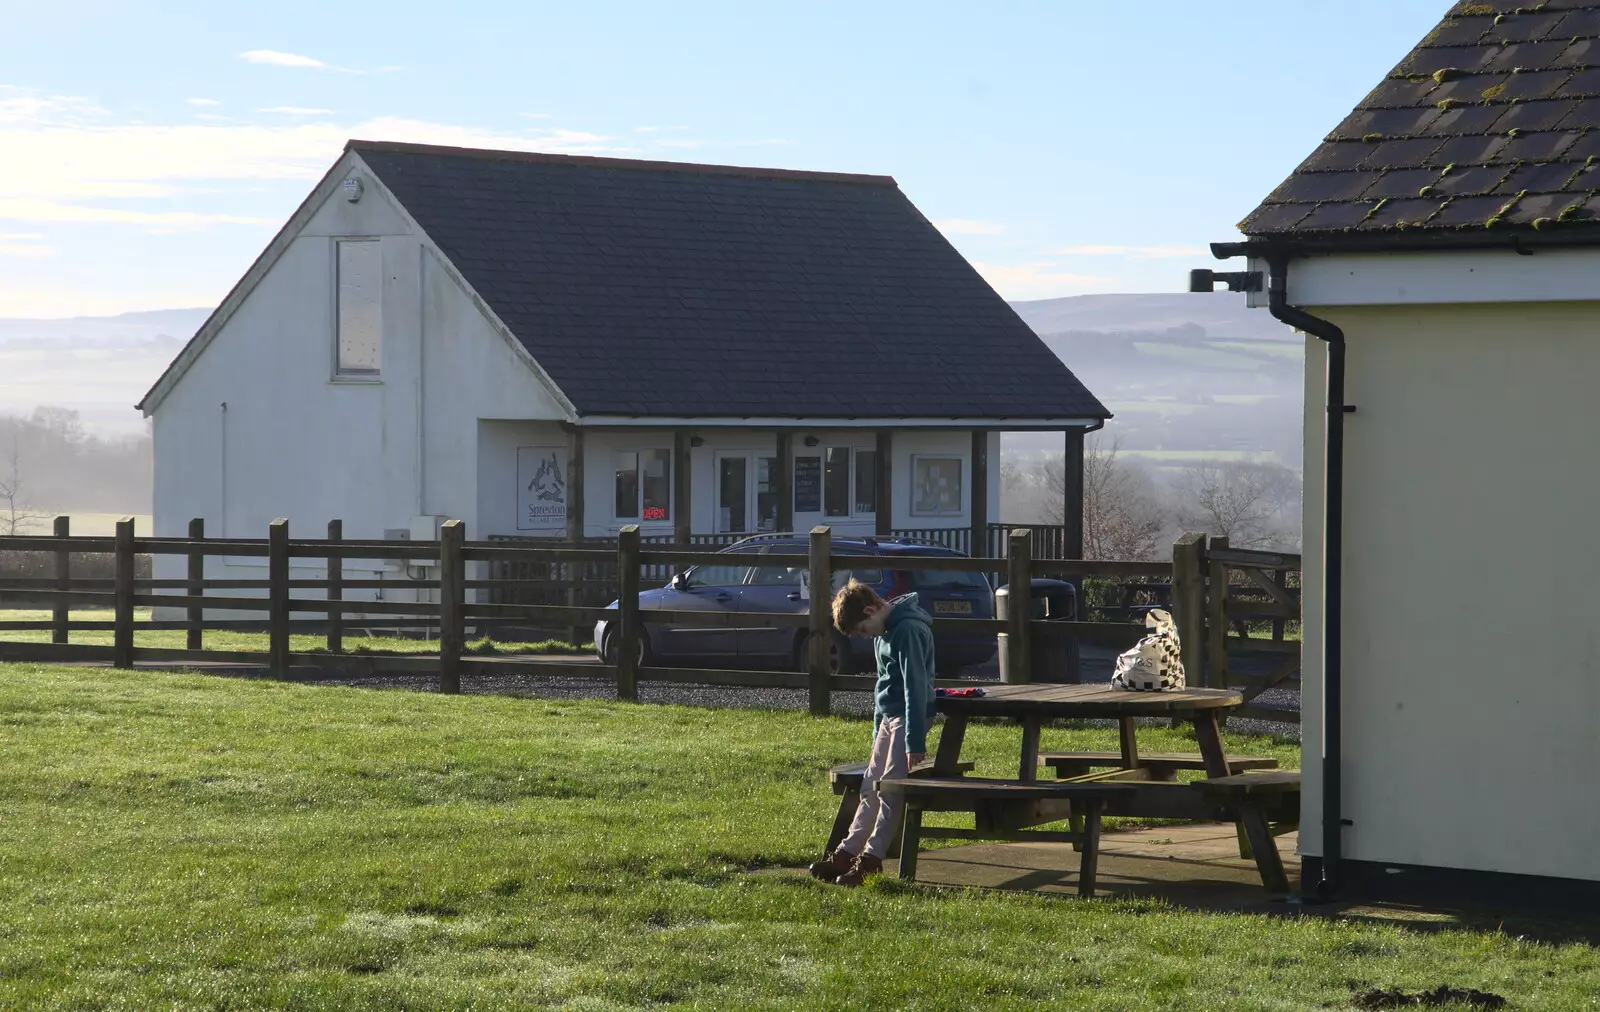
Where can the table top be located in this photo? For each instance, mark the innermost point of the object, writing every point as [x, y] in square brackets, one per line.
[1098, 700]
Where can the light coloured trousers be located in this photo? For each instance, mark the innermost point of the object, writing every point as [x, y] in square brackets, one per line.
[877, 816]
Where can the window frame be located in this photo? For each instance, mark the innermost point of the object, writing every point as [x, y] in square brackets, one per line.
[640, 454]
[340, 373]
[851, 476]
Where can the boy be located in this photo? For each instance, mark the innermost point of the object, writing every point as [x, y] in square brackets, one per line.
[903, 642]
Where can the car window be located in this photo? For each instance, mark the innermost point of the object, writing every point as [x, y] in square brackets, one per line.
[778, 576]
[943, 580]
[723, 576]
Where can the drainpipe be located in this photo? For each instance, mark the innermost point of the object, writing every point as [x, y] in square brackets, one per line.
[1332, 564]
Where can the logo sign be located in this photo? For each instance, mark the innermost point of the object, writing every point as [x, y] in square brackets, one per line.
[542, 489]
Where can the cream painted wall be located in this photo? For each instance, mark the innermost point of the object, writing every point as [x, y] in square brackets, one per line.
[1471, 646]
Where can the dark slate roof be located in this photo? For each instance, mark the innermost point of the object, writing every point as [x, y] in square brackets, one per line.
[667, 289]
[1491, 123]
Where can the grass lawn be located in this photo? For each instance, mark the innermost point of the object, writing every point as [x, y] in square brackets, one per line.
[185, 842]
[176, 639]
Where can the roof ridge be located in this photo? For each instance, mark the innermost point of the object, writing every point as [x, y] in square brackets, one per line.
[625, 164]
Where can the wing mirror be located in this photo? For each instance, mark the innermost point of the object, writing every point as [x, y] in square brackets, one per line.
[679, 581]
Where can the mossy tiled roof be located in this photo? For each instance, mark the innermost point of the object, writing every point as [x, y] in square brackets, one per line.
[1491, 122]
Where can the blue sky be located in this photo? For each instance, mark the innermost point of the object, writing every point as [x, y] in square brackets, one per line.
[148, 151]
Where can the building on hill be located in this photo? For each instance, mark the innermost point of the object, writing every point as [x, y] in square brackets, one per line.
[1441, 247]
[554, 346]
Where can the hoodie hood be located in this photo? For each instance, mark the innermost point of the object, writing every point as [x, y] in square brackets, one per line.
[906, 608]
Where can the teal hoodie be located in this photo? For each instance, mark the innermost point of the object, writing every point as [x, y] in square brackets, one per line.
[906, 670]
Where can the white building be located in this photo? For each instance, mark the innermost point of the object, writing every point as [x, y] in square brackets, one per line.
[1441, 248]
[552, 346]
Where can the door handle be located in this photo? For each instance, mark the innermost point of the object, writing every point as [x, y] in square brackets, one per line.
[723, 597]
[794, 595]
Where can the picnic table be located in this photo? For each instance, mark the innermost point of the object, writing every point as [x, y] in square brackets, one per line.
[1127, 785]
[1035, 704]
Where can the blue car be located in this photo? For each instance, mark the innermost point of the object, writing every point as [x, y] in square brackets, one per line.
[743, 584]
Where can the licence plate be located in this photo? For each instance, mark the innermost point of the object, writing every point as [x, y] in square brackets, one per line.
[952, 607]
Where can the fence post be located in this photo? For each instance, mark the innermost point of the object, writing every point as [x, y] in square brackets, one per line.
[278, 599]
[1217, 619]
[1189, 604]
[194, 639]
[819, 578]
[122, 637]
[335, 589]
[628, 631]
[452, 604]
[60, 615]
[1019, 577]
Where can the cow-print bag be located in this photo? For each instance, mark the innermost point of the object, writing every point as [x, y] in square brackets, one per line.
[1155, 663]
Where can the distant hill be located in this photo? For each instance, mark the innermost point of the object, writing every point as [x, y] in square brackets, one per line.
[1186, 375]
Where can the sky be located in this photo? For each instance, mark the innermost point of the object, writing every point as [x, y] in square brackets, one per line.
[149, 151]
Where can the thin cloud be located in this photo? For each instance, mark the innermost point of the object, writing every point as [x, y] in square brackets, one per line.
[20, 244]
[969, 226]
[536, 115]
[295, 110]
[202, 101]
[68, 165]
[273, 58]
[1038, 280]
[1136, 252]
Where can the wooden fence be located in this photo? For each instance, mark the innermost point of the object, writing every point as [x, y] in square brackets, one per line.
[1215, 594]
[1220, 593]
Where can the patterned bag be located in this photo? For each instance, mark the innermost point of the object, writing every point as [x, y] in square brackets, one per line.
[1155, 663]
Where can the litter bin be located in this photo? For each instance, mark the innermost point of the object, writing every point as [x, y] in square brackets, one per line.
[1055, 658]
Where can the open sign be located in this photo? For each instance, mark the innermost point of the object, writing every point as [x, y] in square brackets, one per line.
[655, 512]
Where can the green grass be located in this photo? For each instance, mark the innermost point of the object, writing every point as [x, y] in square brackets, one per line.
[182, 842]
[176, 639]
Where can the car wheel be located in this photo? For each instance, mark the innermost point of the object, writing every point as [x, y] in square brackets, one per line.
[608, 652]
[840, 661]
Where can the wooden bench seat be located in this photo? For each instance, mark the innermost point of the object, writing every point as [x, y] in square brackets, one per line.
[1162, 766]
[1005, 810]
[1257, 799]
[845, 781]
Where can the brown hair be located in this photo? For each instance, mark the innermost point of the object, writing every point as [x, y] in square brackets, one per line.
[851, 603]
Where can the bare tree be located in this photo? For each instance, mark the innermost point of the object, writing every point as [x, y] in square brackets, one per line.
[1122, 513]
[1252, 505]
[14, 519]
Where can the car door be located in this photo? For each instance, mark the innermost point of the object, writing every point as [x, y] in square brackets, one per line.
[773, 589]
[715, 591]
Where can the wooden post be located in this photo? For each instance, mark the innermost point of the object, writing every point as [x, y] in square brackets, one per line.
[452, 605]
[194, 637]
[820, 578]
[122, 637]
[1189, 604]
[1217, 620]
[885, 517]
[628, 630]
[783, 482]
[682, 488]
[335, 589]
[278, 599]
[1072, 495]
[1019, 576]
[980, 493]
[61, 614]
[573, 571]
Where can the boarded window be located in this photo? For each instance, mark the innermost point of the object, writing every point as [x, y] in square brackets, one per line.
[360, 306]
[936, 486]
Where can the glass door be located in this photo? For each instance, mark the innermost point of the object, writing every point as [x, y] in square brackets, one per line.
[747, 493]
[733, 493]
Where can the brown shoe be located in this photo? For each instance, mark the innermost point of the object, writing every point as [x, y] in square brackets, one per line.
[835, 863]
[865, 865]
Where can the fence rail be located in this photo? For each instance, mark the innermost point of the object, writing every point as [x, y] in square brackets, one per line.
[1217, 594]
